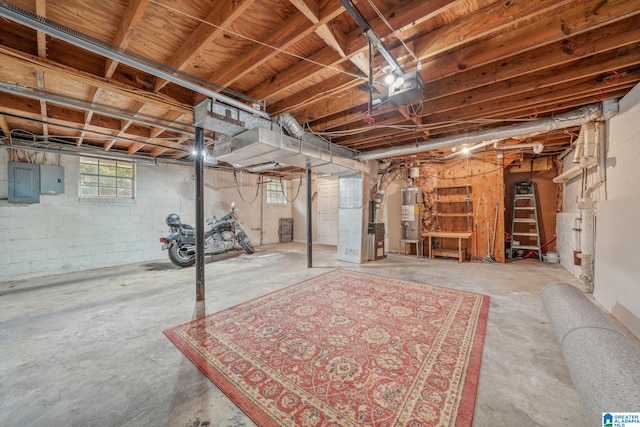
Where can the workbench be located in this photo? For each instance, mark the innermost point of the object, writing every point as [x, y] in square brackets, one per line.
[447, 235]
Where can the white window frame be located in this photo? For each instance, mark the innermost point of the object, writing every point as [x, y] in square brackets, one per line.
[105, 183]
[275, 193]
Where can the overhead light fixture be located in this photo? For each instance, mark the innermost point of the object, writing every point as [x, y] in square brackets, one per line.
[389, 78]
[407, 88]
[351, 9]
[206, 156]
[392, 78]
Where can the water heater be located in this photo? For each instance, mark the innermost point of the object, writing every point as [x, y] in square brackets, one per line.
[411, 213]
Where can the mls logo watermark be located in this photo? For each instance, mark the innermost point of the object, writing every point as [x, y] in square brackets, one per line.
[621, 419]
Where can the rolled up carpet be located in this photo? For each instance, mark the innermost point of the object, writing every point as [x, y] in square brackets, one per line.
[568, 309]
[603, 362]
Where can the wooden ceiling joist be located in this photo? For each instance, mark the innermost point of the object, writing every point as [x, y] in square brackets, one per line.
[484, 64]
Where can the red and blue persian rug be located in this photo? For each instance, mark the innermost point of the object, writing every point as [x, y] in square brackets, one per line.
[345, 349]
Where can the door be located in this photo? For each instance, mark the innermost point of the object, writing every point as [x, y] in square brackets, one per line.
[328, 213]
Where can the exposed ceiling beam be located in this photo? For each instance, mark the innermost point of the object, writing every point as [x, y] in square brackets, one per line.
[295, 29]
[223, 13]
[142, 64]
[495, 67]
[41, 10]
[568, 119]
[73, 118]
[329, 33]
[594, 69]
[4, 126]
[550, 28]
[574, 102]
[66, 72]
[405, 15]
[545, 31]
[485, 64]
[578, 47]
[132, 18]
[494, 107]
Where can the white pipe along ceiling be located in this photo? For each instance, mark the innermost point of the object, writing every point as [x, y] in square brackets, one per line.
[591, 112]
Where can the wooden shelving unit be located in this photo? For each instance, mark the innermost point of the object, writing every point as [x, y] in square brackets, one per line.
[453, 202]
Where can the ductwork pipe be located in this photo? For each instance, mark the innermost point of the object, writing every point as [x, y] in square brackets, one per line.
[294, 129]
[562, 121]
[589, 151]
[469, 149]
[380, 195]
[571, 172]
[585, 151]
[535, 146]
[264, 167]
[291, 125]
[578, 151]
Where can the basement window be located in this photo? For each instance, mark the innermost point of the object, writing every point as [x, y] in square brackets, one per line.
[106, 178]
[275, 195]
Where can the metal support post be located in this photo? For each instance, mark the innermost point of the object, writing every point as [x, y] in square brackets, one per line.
[309, 234]
[199, 166]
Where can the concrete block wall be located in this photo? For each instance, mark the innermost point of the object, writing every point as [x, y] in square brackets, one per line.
[273, 212]
[65, 233]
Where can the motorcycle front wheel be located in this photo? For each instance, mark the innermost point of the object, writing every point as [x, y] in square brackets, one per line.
[244, 241]
[178, 254]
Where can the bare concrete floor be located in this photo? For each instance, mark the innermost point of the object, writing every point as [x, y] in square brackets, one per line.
[87, 349]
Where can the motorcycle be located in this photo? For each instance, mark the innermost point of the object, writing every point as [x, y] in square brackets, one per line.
[221, 236]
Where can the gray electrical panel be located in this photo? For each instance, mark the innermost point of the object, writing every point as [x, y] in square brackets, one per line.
[51, 179]
[24, 182]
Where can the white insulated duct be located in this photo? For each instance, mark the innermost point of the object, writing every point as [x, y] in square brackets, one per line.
[259, 146]
[573, 118]
[468, 149]
[570, 173]
[579, 146]
[585, 154]
[264, 167]
[291, 125]
[380, 195]
[537, 147]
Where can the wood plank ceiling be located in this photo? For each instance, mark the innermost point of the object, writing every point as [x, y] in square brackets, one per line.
[485, 64]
